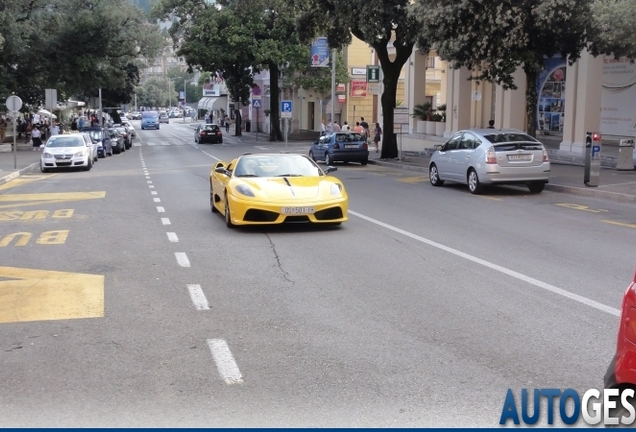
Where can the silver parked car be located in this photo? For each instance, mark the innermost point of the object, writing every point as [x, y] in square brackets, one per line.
[491, 156]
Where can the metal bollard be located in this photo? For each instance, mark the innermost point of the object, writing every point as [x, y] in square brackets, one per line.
[625, 155]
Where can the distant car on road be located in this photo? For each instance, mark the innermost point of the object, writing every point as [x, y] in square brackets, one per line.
[208, 133]
[340, 146]
[66, 151]
[101, 137]
[163, 117]
[477, 157]
[135, 115]
[150, 120]
[117, 141]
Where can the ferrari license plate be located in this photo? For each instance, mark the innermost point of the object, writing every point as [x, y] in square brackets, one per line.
[297, 210]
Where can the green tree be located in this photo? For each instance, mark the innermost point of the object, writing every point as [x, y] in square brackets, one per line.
[74, 46]
[494, 38]
[615, 27]
[384, 25]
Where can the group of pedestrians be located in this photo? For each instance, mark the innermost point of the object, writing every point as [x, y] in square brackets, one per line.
[361, 127]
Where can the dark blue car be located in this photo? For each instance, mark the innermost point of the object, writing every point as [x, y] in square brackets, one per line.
[101, 136]
[340, 147]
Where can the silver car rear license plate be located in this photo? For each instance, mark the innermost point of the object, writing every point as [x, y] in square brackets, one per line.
[519, 157]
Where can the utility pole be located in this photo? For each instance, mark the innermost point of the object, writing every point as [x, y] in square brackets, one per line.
[333, 83]
[101, 116]
[184, 97]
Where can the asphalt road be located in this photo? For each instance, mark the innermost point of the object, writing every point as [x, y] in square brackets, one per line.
[126, 302]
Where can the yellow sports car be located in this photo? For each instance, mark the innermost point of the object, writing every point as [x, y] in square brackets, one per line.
[259, 189]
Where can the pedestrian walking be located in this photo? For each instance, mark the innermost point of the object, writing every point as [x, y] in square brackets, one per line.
[358, 128]
[55, 129]
[346, 127]
[336, 127]
[377, 137]
[227, 124]
[36, 137]
[3, 129]
[365, 128]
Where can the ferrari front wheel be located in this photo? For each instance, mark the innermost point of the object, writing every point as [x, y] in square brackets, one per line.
[228, 219]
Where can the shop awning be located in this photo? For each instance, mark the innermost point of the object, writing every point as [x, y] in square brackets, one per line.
[213, 103]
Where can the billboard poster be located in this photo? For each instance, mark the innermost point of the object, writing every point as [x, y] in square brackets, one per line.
[358, 88]
[320, 52]
[618, 97]
[551, 96]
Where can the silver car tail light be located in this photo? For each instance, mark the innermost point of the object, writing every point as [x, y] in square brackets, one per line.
[545, 155]
[491, 156]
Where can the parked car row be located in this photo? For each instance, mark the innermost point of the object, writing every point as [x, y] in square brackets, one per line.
[82, 149]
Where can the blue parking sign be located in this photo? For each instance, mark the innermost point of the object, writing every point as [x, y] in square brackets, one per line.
[256, 103]
[286, 109]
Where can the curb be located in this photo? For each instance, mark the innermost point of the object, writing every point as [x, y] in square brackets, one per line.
[18, 173]
[573, 190]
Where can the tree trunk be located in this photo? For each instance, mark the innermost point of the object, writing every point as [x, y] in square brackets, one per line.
[237, 122]
[531, 101]
[391, 72]
[275, 133]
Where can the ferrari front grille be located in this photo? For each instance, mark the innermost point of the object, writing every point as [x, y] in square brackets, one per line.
[329, 214]
[255, 215]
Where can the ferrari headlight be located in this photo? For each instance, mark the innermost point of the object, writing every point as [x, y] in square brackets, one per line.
[244, 190]
[336, 189]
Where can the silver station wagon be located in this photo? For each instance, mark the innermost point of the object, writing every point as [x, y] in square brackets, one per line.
[478, 157]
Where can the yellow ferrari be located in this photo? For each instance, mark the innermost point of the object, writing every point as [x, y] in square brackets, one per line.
[259, 189]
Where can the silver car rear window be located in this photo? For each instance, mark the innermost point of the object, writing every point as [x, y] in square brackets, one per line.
[504, 137]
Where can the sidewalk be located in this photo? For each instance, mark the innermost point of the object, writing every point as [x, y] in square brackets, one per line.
[25, 159]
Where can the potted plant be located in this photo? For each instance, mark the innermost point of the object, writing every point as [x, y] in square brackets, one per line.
[440, 126]
[423, 112]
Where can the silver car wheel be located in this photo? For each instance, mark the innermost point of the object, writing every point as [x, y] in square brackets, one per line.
[473, 182]
[433, 176]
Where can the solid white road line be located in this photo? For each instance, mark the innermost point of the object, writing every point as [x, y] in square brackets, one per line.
[546, 286]
[157, 199]
[198, 297]
[161, 209]
[182, 259]
[165, 221]
[225, 363]
[173, 237]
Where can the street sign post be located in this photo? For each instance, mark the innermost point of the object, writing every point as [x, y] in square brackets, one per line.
[14, 104]
[286, 113]
[373, 74]
[256, 103]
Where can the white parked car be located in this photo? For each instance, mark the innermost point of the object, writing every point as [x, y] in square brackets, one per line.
[68, 151]
[94, 146]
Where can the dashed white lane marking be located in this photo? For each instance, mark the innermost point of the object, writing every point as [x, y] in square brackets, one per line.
[173, 237]
[161, 209]
[151, 186]
[147, 177]
[157, 199]
[546, 286]
[225, 363]
[182, 259]
[153, 192]
[261, 148]
[165, 221]
[198, 297]
[149, 181]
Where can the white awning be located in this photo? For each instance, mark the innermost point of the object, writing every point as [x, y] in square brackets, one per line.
[213, 103]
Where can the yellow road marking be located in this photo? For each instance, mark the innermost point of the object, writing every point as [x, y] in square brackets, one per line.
[55, 237]
[628, 225]
[35, 215]
[20, 200]
[580, 207]
[413, 180]
[41, 295]
[23, 180]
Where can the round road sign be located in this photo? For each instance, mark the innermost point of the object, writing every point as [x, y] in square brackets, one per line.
[14, 103]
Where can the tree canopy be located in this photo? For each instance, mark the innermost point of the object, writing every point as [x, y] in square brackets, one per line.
[493, 38]
[240, 38]
[387, 26]
[74, 46]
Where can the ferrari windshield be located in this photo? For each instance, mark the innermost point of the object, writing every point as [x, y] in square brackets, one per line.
[276, 166]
